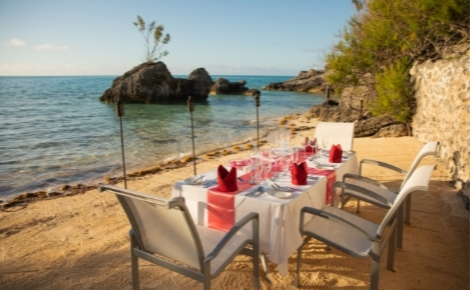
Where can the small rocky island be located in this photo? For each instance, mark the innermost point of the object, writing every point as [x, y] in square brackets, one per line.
[311, 81]
[153, 83]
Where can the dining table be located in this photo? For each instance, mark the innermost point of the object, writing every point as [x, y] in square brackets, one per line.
[279, 215]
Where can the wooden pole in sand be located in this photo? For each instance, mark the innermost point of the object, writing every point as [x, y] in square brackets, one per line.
[328, 103]
[120, 113]
[257, 118]
[191, 110]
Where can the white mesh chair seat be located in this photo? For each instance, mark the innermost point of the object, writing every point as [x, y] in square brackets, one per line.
[356, 236]
[390, 196]
[347, 239]
[164, 233]
[210, 238]
[384, 191]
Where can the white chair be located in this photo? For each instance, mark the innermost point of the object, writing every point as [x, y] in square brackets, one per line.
[387, 194]
[164, 233]
[337, 133]
[356, 236]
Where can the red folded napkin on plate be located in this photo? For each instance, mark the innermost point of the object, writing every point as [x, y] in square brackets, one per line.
[335, 154]
[227, 180]
[299, 173]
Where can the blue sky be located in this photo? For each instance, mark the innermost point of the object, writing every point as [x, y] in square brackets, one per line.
[97, 37]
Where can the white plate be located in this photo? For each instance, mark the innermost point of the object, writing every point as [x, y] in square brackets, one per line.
[279, 194]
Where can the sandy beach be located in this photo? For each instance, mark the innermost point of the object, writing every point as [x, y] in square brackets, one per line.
[81, 241]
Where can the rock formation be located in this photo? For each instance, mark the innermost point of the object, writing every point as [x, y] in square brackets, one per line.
[311, 81]
[153, 83]
[225, 87]
[366, 124]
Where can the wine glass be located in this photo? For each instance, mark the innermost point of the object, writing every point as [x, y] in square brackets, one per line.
[255, 166]
[283, 139]
[285, 161]
[267, 166]
[325, 142]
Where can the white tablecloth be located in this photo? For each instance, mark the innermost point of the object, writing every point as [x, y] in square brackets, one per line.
[279, 218]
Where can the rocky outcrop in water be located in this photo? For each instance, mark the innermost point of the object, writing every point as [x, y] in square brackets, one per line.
[225, 87]
[153, 83]
[311, 81]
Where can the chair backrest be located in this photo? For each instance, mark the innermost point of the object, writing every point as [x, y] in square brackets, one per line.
[429, 148]
[338, 133]
[418, 181]
[161, 226]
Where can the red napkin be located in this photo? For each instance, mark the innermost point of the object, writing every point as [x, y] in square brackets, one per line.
[227, 180]
[313, 142]
[310, 145]
[335, 154]
[299, 173]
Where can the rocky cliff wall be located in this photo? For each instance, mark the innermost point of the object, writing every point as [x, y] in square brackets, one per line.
[442, 91]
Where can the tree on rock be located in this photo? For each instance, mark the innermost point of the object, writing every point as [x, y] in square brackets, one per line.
[158, 42]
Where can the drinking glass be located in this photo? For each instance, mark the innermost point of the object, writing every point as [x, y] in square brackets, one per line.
[283, 139]
[325, 142]
[255, 167]
[285, 161]
[267, 166]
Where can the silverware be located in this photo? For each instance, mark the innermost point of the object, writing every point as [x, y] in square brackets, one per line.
[260, 190]
[209, 183]
[251, 193]
[197, 179]
[282, 188]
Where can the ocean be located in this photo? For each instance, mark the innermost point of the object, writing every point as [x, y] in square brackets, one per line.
[55, 131]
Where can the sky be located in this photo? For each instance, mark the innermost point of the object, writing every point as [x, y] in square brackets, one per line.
[98, 37]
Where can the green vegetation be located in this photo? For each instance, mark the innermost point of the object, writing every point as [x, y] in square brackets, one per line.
[158, 42]
[385, 38]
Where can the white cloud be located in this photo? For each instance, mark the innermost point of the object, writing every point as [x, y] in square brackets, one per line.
[16, 42]
[51, 47]
[44, 47]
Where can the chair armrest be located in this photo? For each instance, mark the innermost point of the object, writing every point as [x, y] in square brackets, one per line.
[382, 164]
[252, 216]
[368, 180]
[362, 190]
[336, 219]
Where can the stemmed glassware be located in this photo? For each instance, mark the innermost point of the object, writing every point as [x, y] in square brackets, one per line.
[325, 143]
[286, 161]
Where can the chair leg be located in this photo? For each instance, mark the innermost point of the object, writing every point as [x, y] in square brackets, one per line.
[134, 266]
[299, 257]
[358, 208]
[207, 276]
[399, 234]
[408, 210]
[375, 267]
[135, 272]
[391, 251]
[255, 271]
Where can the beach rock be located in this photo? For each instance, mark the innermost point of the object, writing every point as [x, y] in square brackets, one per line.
[366, 125]
[153, 83]
[253, 92]
[225, 87]
[381, 126]
[312, 81]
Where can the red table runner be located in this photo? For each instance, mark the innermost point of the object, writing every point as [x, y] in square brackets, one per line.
[221, 205]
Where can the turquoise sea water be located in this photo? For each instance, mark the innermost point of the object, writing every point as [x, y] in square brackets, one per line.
[55, 131]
